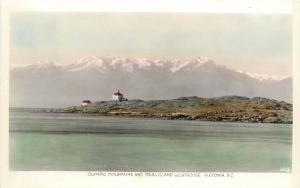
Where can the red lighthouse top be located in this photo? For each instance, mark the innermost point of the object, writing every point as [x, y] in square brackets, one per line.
[118, 93]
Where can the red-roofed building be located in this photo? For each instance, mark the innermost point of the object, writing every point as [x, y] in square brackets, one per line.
[86, 102]
[118, 96]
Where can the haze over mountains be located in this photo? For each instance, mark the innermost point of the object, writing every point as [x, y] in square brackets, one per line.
[50, 84]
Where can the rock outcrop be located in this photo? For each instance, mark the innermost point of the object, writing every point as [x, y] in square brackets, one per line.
[227, 108]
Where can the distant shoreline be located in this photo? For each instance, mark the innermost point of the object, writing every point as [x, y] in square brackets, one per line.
[219, 109]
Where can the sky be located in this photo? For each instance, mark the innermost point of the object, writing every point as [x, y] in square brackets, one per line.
[259, 43]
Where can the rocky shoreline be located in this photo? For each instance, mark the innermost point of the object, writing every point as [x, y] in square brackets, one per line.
[227, 109]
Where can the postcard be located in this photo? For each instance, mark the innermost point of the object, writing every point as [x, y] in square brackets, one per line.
[198, 98]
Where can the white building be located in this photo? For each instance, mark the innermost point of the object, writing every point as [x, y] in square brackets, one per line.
[86, 102]
[117, 96]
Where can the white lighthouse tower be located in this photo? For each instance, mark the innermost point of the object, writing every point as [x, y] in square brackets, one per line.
[118, 96]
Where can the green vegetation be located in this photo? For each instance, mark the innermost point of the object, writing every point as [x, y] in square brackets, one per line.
[228, 108]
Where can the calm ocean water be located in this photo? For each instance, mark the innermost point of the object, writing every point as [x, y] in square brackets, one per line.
[46, 141]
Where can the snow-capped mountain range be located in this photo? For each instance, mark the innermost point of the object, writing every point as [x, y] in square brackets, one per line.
[52, 84]
[263, 77]
[103, 64]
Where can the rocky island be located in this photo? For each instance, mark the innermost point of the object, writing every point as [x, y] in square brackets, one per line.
[227, 108]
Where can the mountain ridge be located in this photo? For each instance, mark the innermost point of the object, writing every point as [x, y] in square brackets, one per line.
[175, 65]
[53, 84]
